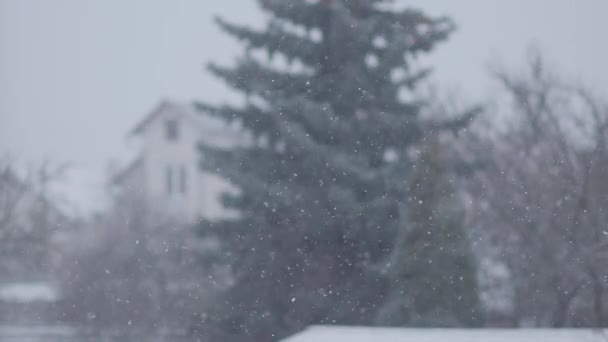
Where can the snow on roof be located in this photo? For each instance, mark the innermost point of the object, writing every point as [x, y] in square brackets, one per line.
[204, 121]
[28, 292]
[375, 334]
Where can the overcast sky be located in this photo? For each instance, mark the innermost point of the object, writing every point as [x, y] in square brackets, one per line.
[75, 75]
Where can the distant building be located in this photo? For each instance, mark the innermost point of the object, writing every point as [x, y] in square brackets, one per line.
[167, 172]
[377, 334]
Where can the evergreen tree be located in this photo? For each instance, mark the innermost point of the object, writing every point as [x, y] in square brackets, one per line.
[324, 184]
[432, 270]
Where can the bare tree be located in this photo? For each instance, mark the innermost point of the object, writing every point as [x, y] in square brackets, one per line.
[135, 269]
[30, 220]
[542, 199]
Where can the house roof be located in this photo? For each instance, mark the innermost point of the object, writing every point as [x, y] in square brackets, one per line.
[214, 131]
[203, 121]
[377, 334]
[160, 108]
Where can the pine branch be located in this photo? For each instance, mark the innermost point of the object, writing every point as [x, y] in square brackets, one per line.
[276, 40]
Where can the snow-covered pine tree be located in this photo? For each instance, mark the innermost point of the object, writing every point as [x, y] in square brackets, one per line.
[324, 184]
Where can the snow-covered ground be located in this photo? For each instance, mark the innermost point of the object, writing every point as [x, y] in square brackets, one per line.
[15, 333]
[64, 333]
[28, 292]
[369, 334]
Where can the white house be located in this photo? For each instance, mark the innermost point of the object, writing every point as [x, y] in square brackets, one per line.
[375, 334]
[167, 173]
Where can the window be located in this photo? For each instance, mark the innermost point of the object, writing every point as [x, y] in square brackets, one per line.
[171, 129]
[169, 179]
[182, 179]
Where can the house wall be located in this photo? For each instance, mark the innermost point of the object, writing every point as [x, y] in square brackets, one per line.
[159, 153]
[148, 177]
[203, 189]
[134, 182]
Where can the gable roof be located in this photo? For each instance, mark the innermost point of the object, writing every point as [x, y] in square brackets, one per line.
[162, 107]
[213, 130]
[377, 334]
[202, 120]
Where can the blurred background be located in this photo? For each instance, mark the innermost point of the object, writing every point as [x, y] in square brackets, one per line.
[239, 171]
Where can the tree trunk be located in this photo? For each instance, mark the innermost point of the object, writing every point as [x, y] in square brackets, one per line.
[560, 314]
[598, 298]
[564, 298]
